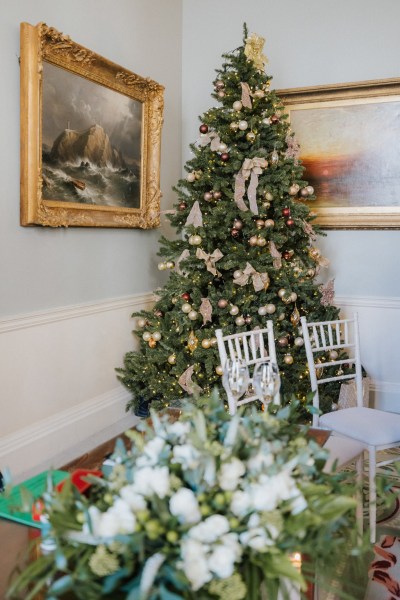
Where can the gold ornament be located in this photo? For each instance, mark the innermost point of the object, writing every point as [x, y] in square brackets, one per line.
[295, 317]
[219, 370]
[172, 359]
[254, 50]
[206, 343]
[193, 342]
[152, 343]
[288, 359]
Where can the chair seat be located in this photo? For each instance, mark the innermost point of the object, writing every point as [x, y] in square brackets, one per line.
[368, 425]
[341, 451]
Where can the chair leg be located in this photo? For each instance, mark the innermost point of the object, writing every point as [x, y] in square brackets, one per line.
[372, 495]
[359, 509]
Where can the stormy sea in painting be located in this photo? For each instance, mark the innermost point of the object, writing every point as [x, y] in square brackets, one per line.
[84, 167]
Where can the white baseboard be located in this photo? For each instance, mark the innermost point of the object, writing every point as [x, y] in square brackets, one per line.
[56, 440]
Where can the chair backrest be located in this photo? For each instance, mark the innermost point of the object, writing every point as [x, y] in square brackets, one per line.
[325, 342]
[252, 347]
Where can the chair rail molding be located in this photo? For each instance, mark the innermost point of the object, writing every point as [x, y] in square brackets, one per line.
[60, 392]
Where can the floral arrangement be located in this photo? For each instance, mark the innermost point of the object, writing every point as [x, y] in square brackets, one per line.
[206, 506]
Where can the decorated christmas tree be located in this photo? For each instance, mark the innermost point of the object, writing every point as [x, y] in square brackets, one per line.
[246, 250]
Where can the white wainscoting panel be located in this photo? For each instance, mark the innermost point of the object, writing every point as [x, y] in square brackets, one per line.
[379, 334]
[60, 395]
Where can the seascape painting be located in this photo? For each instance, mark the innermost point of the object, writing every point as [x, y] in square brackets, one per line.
[91, 142]
[351, 151]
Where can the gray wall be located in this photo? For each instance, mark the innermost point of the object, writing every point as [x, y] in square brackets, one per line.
[42, 268]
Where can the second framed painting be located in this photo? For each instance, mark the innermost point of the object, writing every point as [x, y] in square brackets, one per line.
[349, 136]
[90, 137]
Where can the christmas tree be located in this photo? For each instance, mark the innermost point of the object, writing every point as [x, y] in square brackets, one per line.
[246, 251]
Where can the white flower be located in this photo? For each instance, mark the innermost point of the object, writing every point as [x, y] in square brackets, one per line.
[230, 474]
[136, 501]
[149, 481]
[187, 456]
[262, 459]
[263, 495]
[240, 503]
[178, 430]
[183, 505]
[256, 538]
[195, 564]
[151, 453]
[209, 530]
[231, 541]
[221, 561]
[118, 519]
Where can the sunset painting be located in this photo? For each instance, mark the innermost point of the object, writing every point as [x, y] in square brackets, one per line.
[351, 152]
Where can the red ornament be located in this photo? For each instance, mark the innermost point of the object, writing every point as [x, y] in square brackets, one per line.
[235, 232]
[222, 303]
[286, 211]
[287, 255]
[274, 119]
[182, 205]
[217, 195]
[203, 128]
[224, 157]
[186, 296]
[290, 222]
[247, 319]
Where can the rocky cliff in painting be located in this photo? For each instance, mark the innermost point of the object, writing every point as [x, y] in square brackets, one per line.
[92, 145]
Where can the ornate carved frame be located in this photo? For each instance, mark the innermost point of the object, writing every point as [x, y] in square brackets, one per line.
[383, 215]
[40, 44]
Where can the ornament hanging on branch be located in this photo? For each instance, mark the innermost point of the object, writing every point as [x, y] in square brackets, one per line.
[327, 293]
[205, 310]
[195, 216]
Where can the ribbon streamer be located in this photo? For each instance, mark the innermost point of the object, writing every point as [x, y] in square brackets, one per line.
[251, 167]
[260, 280]
[195, 217]
[246, 99]
[210, 260]
[276, 255]
[186, 383]
[205, 310]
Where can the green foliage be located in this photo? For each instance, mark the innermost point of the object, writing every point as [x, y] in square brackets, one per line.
[254, 493]
[153, 373]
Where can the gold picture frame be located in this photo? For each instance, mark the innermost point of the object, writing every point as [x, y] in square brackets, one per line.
[90, 137]
[349, 136]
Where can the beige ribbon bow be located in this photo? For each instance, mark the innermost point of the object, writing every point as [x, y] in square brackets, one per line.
[251, 167]
[195, 217]
[210, 260]
[260, 280]
[212, 138]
